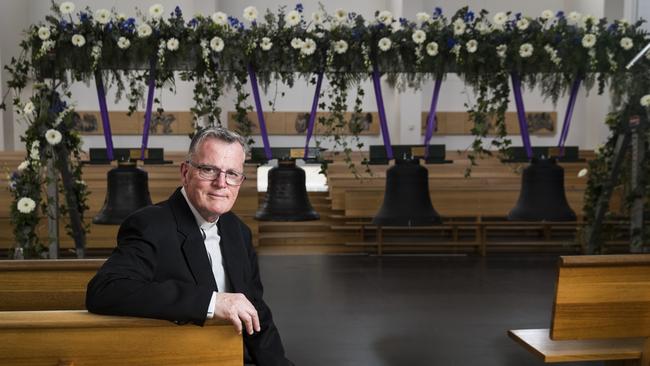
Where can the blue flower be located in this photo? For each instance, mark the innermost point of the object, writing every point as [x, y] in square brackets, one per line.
[560, 14]
[178, 12]
[451, 42]
[63, 24]
[469, 17]
[299, 8]
[403, 21]
[83, 17]
[518, 16]
[437, 12]
[193, 23]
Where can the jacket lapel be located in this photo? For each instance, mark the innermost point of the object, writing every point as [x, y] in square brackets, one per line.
[232, 250]
[192, 245]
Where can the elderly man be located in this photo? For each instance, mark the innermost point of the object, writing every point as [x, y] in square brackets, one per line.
[188, 258]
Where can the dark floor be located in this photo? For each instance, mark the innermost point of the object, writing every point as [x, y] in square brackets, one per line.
[408, 310]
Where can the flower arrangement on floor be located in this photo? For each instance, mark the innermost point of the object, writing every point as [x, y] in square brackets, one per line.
[218, 51]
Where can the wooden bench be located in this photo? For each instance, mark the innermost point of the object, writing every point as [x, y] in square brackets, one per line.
[601, 312]
[46, 284]
[78, 338]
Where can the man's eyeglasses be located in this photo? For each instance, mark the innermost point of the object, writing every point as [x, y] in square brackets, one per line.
[211, 172]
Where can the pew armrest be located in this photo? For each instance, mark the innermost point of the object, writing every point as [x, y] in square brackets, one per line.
[538, 342]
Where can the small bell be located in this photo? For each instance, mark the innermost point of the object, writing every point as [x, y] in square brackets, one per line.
[542, 196]
[127, 191]
[286, 196]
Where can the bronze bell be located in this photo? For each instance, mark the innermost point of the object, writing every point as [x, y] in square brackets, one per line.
[542, 196]
[406, 198]
[127, 191]
[286, 195]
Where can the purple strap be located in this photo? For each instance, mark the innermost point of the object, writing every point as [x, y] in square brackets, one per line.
[431, 118]
[521, 114]
[103, 111]
[312, 113]
[260, 112]
[147, 112]
[569, 113]
[382, 113]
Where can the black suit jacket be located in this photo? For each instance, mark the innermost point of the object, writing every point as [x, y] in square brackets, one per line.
[160, 269]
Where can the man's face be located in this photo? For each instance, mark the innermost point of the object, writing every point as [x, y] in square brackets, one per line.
[213, 198]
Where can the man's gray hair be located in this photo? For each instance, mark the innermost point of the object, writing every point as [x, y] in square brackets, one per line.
[218, 133]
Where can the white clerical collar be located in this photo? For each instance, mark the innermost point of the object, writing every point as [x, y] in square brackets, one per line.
[203, 223]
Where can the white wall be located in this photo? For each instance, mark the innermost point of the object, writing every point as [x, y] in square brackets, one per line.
[403, 109]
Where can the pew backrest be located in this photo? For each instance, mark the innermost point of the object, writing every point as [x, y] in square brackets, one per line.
[46, 284]
[601, 297]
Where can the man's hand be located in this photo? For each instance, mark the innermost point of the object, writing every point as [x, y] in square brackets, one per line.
[237, 309]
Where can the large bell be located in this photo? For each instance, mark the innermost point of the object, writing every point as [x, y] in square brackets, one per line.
[127, 191]
[542, 196]
[406, 198]
[286, 195]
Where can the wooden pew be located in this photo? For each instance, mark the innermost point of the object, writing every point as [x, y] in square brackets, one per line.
[46, 284]
[78, 338]
[601, 312]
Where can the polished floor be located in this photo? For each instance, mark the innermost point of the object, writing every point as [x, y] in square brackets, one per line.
[408, 310]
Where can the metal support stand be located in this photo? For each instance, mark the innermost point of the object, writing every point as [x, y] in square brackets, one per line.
[634, 135]
[52, 209]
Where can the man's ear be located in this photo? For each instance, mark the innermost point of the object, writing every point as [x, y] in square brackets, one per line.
[184, 172]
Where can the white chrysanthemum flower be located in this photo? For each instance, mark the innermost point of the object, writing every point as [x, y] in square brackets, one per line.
[501, 50]
[548, 14]
[432, 48]
[217, 44]
[266, 44]
[123, 43]
[29, 108]
[44, 33]
[292, 18]
[385, 17]
[172, 44]
[144, 30]
[102, 16]
[396, 27]
[250, 13]
[26, 205]
[340, 15]
[156, 11]
[589, 40]
[34, 151]
[645, 100]
[583, 172]
[219, 18]
[385, 44]
[419, 36]
[483, 28]
[66, 7]
[500, 18]
[471, 45]
[78, 40]
[522, 24]
[296, 43]
[340, 47]
[53, 136]
[574, 17]
[308, 47]
[22, 166]
[526, 50]
[422, 17]
[317, 17]
[588, 19]
[626, 43]
[459, 27]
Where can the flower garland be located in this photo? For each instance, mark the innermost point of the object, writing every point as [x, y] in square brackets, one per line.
[549, 51]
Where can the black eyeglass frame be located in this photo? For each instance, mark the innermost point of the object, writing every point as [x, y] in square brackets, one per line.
[226, 173]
